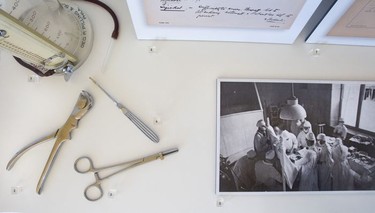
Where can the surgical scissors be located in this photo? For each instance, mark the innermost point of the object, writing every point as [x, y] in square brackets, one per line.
[94, 192]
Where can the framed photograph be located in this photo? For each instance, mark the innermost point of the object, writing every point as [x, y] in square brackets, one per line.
[264, 21]
[294, 136]
[349, 22]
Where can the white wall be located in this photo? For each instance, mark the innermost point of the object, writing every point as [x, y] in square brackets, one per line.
[176, 85]
[368, 107]
[335, 104]
[237, 132]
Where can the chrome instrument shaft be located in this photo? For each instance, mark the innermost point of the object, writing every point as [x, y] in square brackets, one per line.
[133, 118]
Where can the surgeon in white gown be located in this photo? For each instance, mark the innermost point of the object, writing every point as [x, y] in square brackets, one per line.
[301, 138]
[325, 163]
[343, 175]
[309, 175]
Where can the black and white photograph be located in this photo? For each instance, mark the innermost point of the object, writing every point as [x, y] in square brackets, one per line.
[295, 136]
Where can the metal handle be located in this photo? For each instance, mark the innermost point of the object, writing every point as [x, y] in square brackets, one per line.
[83, 165]
[20, 153]
[47, 167]
[94, 191]
[141, 126]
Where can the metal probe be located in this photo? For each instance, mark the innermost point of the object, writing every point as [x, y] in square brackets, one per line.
[136, 121]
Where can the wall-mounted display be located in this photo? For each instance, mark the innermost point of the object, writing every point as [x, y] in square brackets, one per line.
[349, 22]
[266, 14]
[219, 20]
[288, 136]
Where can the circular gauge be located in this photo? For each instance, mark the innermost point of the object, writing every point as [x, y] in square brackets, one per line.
[65, 25]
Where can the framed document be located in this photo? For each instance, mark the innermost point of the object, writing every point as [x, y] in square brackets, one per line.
[266, 14]
[265, 21]
[349, 22]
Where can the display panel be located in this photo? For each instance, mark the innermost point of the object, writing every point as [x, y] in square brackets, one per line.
[272, 22]
[258, 151]
[265, 14]
[349, 22]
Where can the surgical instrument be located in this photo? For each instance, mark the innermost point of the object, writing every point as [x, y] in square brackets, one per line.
[133, 118]
[94, 192]
[83, 105]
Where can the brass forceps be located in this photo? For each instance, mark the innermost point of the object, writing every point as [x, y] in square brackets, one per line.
[83, 105]
[94, 192]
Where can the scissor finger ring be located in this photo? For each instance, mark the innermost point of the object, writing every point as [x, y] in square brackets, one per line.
[83, 164]
[93, 192]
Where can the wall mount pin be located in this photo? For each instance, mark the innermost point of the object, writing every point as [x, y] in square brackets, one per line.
[152, 49]
[14, 190]
[315, 52]
[220, 202]
[112, 193]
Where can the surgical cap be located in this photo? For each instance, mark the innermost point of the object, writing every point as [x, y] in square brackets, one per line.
[261, 123]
